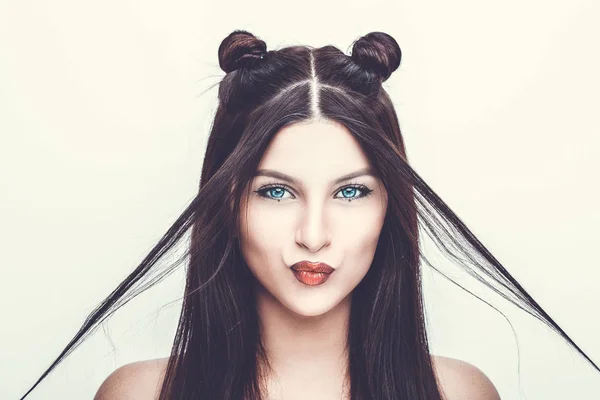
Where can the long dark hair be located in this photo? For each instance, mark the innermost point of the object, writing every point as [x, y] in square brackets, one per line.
[217, 352]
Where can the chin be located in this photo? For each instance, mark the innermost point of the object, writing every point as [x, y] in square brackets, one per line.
[313, 308]
[309, 312]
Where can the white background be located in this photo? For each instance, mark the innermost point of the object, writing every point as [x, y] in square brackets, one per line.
[104, 123]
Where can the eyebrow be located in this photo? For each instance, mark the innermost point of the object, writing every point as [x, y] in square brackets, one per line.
[279, 175]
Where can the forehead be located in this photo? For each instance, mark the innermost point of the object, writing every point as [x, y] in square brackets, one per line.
[310, 150]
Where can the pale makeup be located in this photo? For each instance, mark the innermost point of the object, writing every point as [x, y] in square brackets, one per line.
[303, 206]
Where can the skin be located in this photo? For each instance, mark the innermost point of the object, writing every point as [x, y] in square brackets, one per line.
[304, 328]
[314, 219]
[141, 380]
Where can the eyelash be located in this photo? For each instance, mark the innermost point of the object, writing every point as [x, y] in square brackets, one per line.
[275, 185]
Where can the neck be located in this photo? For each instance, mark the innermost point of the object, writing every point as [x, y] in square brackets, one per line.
[304, 352]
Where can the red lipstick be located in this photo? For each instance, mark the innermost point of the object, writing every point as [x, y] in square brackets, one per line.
[311, 274]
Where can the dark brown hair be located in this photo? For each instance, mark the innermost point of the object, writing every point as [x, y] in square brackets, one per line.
[217, 351]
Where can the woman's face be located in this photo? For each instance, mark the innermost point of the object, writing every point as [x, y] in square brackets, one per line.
[313, 217]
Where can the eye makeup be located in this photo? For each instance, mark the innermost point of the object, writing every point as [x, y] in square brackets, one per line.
[265, 190]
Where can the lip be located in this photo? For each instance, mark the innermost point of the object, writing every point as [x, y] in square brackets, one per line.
[311, 273]
[315, 267]
[311, 278]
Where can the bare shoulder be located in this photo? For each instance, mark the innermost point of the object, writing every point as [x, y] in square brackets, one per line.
[460, 380]
[140, 380]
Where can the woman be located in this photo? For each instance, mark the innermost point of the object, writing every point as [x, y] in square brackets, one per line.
[304, 274]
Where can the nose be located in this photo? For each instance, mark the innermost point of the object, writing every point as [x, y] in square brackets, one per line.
[313, 232]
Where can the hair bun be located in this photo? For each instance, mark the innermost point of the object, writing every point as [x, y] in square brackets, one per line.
[240, 49]
[377, 52]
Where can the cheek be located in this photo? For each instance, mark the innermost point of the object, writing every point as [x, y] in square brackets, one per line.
[262, 236]
[359, 229]
[358, 234]
[267, 230]
[263, 226]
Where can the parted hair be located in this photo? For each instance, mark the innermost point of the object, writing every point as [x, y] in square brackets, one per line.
[217, 351]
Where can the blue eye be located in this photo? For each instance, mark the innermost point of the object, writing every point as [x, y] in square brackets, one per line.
[349, 190]
[276, 192]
